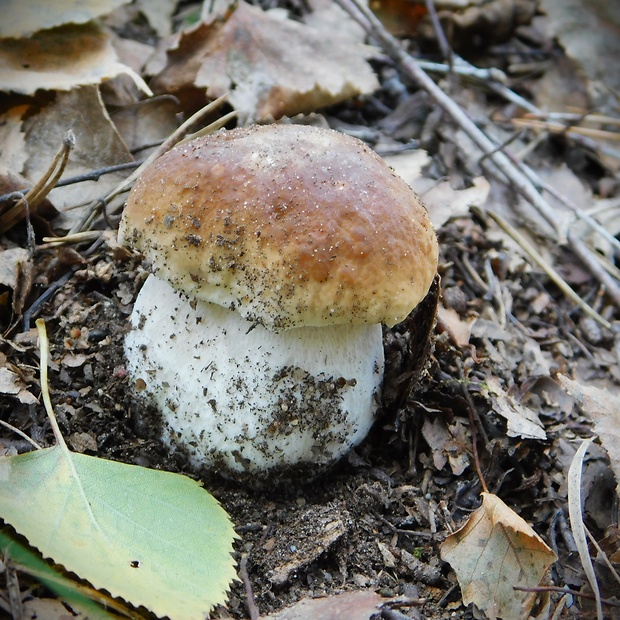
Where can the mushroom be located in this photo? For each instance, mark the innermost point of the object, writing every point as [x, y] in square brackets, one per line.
[276, 254]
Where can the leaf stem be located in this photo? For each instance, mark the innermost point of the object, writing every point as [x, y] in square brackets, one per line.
[44, 348]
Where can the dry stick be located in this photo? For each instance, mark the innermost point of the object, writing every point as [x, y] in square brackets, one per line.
[446, 50]
[249, 597]
[42, 188]
[474, 423]
[553, 275]
[602, 555]
[553, 127]
[408, 64]
[578, 211]
[575, 593]
[23, 435]
[594, 266]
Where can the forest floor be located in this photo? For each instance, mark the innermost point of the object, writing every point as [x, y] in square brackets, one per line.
[491, 410]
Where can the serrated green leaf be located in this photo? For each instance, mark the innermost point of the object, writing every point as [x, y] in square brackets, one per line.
[153, 538]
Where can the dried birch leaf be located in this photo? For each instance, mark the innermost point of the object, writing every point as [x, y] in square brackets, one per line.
[258, 59]
[521, 420]
[494, 551]
[98, 145]
[21, 19]
[351, 605]
[59, 59]
[603, 408]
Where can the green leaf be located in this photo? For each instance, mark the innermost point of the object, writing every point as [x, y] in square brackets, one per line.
[153, 538]
[26, 560]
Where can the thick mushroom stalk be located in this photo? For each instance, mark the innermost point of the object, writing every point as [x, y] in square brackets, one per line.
[277, 253]
[241, 398]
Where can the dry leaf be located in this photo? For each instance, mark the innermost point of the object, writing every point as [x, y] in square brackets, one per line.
[409, 164]
[257, 57]
[521, 420]
[443, 202]
[21, 19]
[11, 266]
[494, 551]
[351, 605]
[12, 154]
[60, 59]
[146, 124]
[603, 408]
[10, 382]
[588, 31]
[458, 327]
[97, 145]
[447, 443]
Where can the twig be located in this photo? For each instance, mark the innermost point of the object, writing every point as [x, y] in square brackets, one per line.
[21, 434]
[249, 597]
[411, 67]
[29, 202]
[552, 274]
[446, 50]
[603, 555]
[575, 593]
[578, 211]
[55, 286]
[594, 266]
[95, 175]
[569, 130]
[48, 294]
[474, 423]
[573, 117]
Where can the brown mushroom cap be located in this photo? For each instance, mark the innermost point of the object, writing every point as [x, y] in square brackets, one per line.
[290, 225]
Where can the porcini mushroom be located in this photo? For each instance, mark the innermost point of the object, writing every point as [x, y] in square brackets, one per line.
[277, 252]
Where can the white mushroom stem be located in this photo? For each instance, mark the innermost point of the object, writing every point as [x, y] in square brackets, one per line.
[240, 397]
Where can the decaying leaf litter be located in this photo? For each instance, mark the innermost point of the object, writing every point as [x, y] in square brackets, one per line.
[520, 373]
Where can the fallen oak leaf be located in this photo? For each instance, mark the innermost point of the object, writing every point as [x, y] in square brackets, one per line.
[493, 552]
[521, 421]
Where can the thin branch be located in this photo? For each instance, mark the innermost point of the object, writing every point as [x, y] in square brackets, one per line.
[249, 597]
[28, 203]
[23, 435]
[553, 275]
[575, 593]
[594, 266]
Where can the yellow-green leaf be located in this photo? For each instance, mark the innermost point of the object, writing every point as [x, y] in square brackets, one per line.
[153, 538]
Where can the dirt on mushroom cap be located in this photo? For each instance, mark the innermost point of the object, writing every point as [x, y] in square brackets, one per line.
[291, 225]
